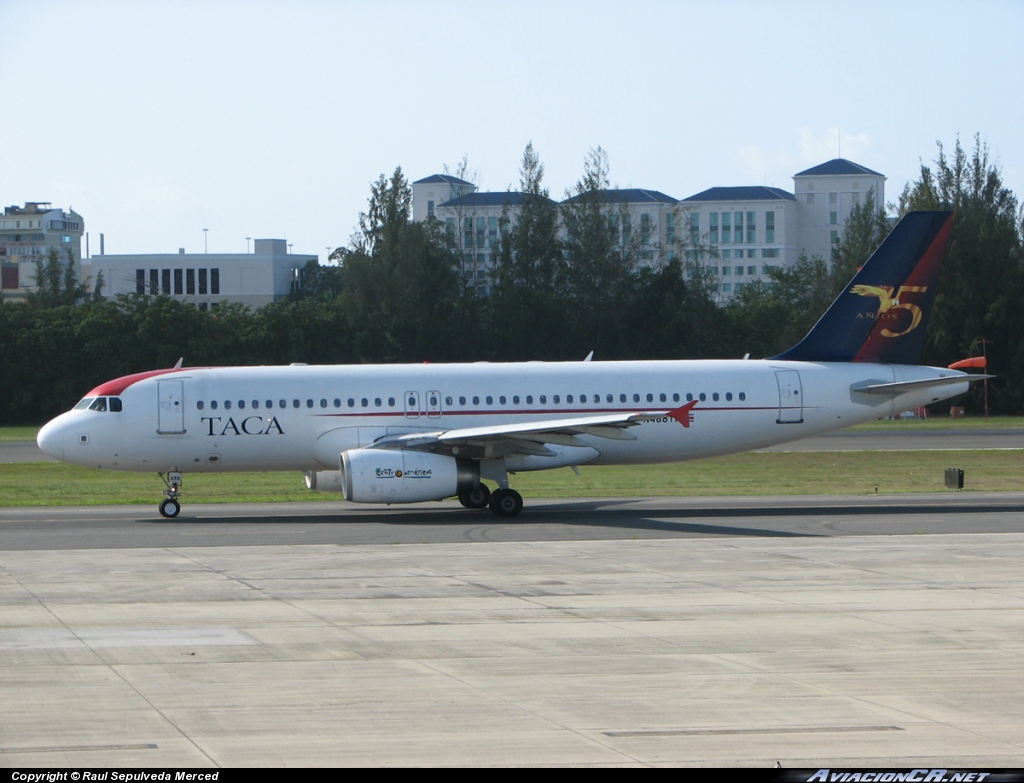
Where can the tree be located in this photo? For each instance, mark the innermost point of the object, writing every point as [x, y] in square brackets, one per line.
[768, 318]
[526, 304]
[598, 267]
[401, 291]
[982, 284]
[863, 232]
[57, 281]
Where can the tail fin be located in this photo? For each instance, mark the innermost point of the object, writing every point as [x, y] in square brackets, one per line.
[882, 315]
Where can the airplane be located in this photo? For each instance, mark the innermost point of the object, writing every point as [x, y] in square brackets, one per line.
[407, 433]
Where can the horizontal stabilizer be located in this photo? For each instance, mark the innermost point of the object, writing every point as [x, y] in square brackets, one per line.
[899, 387]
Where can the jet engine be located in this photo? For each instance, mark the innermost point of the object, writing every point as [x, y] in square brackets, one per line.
[397, 476]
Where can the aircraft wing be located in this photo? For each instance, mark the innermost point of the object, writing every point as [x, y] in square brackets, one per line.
[531, 437]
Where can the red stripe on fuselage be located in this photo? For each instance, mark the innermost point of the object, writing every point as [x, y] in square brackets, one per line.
[118, 385]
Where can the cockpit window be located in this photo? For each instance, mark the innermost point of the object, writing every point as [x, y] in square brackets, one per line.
[85, 403]
[99, 404]
[115, 404]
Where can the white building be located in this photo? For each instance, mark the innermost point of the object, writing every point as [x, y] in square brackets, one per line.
[736, 233]
[27, 234]
[206, 279]
[740, 232]
[826, 195]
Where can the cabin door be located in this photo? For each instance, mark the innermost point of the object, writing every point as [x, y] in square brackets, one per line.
[171, 409]
[791, 398]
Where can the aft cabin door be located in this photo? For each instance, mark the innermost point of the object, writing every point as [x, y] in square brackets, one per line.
[171, 410]
[791, 398]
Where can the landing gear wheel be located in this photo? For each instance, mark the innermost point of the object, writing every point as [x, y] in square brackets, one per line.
[170, 508]
[506, 502]
[476, 498]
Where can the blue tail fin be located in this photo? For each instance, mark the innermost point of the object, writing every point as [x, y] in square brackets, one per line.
[882, 315]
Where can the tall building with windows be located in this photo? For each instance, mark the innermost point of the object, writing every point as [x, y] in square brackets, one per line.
[737, 234]
[206, 279]
[27, 234]
[826, 195]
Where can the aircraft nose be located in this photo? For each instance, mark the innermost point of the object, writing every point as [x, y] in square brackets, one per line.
[51, 439]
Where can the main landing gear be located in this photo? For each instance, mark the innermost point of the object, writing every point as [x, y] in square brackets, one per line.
[504, 502]
[171, 506]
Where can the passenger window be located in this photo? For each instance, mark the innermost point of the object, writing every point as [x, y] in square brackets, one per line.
[241, 405]
[282, 404]
[689, 397]
[515, 399]
[743, 396]
[663, 398]
[376, 402]
[448, 401]
[703, 396]
[543, 399]
[675, 397]
[270, 403]
[309, 403]
[476, 400]
[568, 398]
[728, 396]
[337, 403]
[391, 402]
[462, 400]
[490, 400]
[610, 398]
[227, 405]
[115, 404]
[650, 397]
[636, 398]
[213, 404]
[199, 405]
[295, 403]
[255, 403]
[622, 398]
[529, 399]
[364, 402]
[501, 400]
[323, 403]
[351, 403]
[556, 399]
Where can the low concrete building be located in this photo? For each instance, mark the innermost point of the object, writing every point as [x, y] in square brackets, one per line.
[206, 280]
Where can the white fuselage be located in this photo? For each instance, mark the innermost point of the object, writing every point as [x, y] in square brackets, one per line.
[303, 417]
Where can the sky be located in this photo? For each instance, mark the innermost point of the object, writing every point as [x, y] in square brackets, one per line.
[156, 120]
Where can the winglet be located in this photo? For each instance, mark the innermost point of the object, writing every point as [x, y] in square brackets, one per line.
[683, 414]
[882, 315]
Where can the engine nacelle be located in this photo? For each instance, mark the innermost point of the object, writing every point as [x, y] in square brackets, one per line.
[397, 476]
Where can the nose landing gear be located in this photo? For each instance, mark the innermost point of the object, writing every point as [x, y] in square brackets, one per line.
[171, 507]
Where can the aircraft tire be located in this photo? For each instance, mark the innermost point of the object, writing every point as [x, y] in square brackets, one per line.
[170, 508]
[476, 498]
[506, 502]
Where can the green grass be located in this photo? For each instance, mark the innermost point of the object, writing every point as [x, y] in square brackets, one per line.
[767, 473]
[944, 423]
[17, 434]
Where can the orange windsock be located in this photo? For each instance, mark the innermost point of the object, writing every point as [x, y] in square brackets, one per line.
[974, 361]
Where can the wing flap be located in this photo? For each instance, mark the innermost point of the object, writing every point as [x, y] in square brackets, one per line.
[530, 437]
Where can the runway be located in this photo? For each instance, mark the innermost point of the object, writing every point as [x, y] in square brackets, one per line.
[839, 631]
